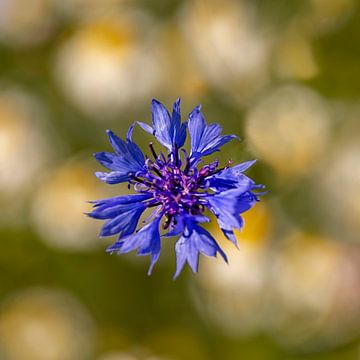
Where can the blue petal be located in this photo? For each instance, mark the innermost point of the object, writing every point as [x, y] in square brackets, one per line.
[119, 162]
[123, 219]
[146, 127]
[181, 135]
[240, 168]
[110, 208]
[228, 231]
[206, 244]
[146, 240]
[115, 177]
[228, 205]
[189, 247]
[231, 178]
[106, 159]
[185, 252]
[205, 139]
[130, 132]
[177, 229]
[196, 125]
[177, 130]
[167, 129]
[123, 211]
[161, 122]
[213, 145]
[118, 144]
[176, 116]
[127, 158]
[134, 150]
[182, 220]
[122, 199]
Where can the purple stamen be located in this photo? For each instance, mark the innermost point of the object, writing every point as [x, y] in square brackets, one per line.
[178, 190]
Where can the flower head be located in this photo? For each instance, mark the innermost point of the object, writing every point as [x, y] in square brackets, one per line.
[176, 187]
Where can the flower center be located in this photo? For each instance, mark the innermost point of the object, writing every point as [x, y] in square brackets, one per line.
[175, 184]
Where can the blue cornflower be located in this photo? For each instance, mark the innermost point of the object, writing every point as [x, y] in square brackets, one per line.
[176, 187]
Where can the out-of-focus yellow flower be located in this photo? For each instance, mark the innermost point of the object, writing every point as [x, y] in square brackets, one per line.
[87, 8]
[118, 356]
[140, 354]
[59, 204]
[325, 16]
[290, 128]
[24, 151]
[294, 57]
[340, 190]
[310, 286]
[183, 76]
[235, 294]
[106, 65]
[25, 25]
[258, 224]
[226, 40]
[21, 138]
[43, 324]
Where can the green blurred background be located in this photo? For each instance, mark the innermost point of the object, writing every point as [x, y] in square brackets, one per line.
[283, 75]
